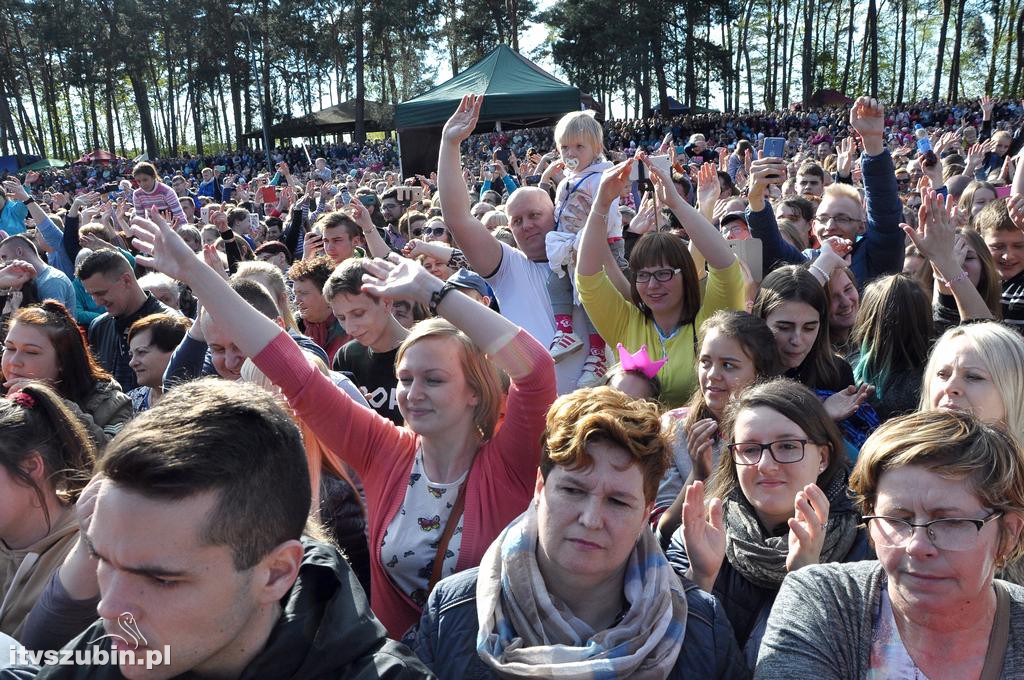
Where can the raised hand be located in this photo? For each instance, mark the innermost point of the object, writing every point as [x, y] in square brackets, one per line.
[936, 232]
[161, 247]
[312, 245]
[16, 274]
[1015, 205]
[986, 107]
[400, 278]
[703, 536]
[664, 189]
[835, 251]
[358, 212]
[613, 181]
[844, 157]
[13, 188]
[867, 117]
[700, 447]
[211, 256]
[764, 172]
[807, 528]
[845, 403]
[708, 186]
[462, 123]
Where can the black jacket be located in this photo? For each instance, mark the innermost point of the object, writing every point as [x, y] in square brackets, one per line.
[108, 337]
[326, 631]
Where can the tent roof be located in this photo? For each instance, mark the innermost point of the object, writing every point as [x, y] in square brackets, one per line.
[514, 88]
[333, 119]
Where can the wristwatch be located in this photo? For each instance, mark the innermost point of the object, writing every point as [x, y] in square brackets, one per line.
[29, 200]
[437, 296]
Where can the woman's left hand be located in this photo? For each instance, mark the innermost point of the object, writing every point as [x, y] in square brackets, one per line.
[807, 528]
[845, 403]
[399, 277]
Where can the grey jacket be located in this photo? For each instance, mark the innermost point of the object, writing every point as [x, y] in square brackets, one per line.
[821, 625]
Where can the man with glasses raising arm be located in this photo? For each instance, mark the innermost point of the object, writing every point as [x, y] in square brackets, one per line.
[874, 229]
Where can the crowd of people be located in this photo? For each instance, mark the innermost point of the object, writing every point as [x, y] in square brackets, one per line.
[649, 399]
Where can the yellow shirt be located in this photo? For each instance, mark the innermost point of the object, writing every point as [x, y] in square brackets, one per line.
[619, 320]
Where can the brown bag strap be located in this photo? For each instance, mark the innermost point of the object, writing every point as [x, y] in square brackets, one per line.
[446, 535]
[998, 640]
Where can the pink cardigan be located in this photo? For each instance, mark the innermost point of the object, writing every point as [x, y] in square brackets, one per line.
[501, 479]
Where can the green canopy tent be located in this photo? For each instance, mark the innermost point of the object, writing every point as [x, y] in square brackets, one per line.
[517, 94]
[44, 164]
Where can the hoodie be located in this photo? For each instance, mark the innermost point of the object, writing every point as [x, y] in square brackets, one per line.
[24, 573]
[326, 630]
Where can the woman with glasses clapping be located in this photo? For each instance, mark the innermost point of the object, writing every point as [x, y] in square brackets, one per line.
[778, 502]
[943, 496]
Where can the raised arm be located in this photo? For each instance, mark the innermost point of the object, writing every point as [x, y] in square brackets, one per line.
[402, 278]
[936, 238]
[702, 233]
[594, 252]
[374, 241]
[163, 250]
[481, 248]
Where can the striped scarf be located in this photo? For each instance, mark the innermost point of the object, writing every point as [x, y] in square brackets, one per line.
[525, 632]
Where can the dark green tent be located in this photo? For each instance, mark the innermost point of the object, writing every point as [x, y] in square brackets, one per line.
[514, 88]
[517, 94]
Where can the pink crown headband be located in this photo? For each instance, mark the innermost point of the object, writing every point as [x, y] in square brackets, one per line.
[641, 361]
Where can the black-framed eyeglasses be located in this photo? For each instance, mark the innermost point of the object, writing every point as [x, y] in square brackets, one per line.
[839, 220]
[431, 231]
[783, 451]
[949, 533]
[660, 275]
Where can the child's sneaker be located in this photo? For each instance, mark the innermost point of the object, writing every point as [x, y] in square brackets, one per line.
[594, 369]
[564, 344]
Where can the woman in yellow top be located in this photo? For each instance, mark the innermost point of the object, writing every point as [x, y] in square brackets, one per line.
[666, 308]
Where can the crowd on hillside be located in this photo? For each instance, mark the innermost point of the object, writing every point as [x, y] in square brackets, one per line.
[715, 395]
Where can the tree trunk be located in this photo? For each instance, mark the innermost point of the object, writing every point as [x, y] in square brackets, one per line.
[903, 51]
[235, 85]
[997, 20]
[849, 49]
[171, 99]
[109, 103]
[808, 56]
[954, 72]
[940, 56]
[785, 53]
[359, 133]
[145, 113]
[659, 71]
[873, 38]
[40, 141]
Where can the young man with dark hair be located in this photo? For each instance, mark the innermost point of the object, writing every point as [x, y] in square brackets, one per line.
[376, 335]
[275, 253]
[337, 234]
[108, 277]
[207, 560]
[315, 316]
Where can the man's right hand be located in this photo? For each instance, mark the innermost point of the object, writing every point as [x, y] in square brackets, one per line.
[764, 172]
[462, 123]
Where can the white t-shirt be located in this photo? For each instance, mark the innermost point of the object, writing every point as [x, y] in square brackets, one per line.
[521, 287]
[410, 542]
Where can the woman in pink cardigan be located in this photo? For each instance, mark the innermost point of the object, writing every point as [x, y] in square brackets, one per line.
[446, 484]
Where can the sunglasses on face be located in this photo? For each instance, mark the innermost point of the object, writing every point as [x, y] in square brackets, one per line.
[432, 231]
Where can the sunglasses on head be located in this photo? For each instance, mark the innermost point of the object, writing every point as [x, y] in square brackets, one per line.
[425, 231]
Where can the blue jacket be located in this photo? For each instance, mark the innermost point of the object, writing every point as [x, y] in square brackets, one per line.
[446, 640]
[877, 253]
[12, 217]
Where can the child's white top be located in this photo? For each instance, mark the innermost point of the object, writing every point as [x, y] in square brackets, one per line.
[575, 196]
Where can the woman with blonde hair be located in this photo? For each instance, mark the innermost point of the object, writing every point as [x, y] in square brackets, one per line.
[978, 368]
[441, 488]
[577, 586]
[943, 497]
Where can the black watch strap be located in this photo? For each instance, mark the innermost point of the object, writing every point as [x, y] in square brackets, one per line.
[438, 295]
[29, 200]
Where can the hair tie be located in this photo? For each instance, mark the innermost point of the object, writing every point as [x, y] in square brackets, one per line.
[23, 400]
[640, 361]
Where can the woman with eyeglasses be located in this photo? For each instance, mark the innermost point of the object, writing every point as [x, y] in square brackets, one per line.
[776, 503]
[665, 308]
[943, 497]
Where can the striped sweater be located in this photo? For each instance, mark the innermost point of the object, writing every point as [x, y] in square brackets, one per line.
[162, 197]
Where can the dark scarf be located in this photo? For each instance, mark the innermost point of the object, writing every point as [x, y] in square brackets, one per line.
[761, 558]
